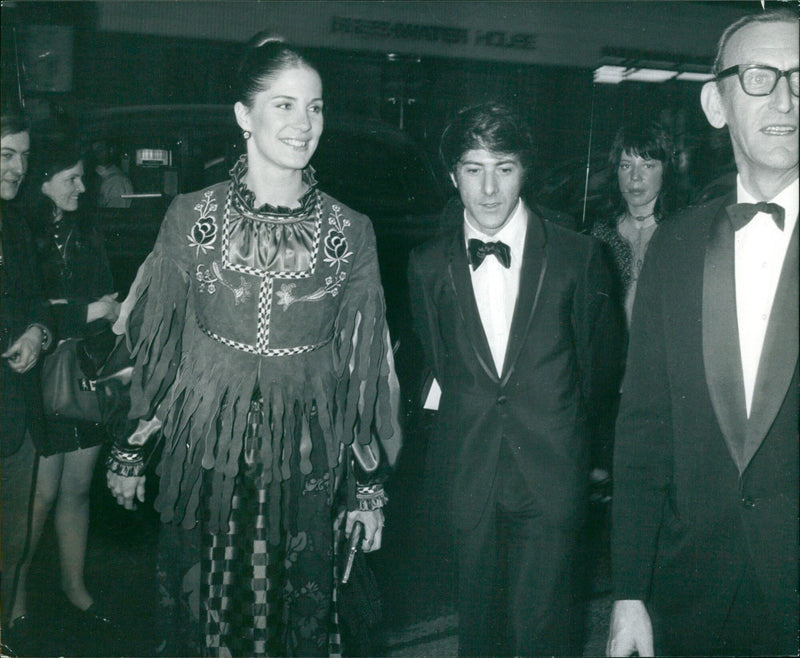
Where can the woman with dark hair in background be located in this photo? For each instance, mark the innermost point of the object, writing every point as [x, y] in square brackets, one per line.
[259, 334]
[643, 160]
[77, 280]
[643, 170]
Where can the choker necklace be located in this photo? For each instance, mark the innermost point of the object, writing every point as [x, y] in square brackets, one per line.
[640, 218]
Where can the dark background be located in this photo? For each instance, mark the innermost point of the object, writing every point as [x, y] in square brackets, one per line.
[66, 73]
[120, 68]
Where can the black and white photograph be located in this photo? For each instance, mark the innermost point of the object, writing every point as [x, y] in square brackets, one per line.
[399, 328]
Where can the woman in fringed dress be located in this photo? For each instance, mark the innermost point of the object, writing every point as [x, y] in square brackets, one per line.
[261, 351]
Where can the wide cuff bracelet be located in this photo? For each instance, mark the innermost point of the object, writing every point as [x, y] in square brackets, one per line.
[126, 463]
[370, 497]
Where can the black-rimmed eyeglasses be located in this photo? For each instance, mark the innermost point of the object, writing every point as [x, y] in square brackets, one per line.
[761, 80]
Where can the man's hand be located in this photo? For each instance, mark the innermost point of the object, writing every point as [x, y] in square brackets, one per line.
[126, 489]
[631, 630]
[373, 528]
[24, 352]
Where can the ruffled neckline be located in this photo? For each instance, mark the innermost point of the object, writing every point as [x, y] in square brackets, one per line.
[245, 199]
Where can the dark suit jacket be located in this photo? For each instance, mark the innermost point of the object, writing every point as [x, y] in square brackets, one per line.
[560, 369]
[20, 306]
[700, 490]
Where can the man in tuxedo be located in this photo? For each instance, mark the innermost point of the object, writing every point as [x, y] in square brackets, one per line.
[519, 330]
[705, 513]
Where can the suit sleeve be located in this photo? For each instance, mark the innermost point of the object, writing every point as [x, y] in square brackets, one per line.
[599, 331]
[423, 315]
[643, 451]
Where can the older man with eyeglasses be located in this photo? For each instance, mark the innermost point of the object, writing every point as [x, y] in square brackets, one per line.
[705, 540]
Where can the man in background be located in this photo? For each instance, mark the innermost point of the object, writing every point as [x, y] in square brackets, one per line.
[114, 183]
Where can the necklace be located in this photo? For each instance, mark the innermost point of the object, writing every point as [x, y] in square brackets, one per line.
[640, 218]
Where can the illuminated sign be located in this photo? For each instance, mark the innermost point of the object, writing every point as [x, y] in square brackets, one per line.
[378, 29]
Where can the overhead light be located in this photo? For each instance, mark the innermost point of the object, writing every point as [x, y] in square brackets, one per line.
[691, 76]
[618, 65]
[614, 75]
[609, 74]
[650, 75]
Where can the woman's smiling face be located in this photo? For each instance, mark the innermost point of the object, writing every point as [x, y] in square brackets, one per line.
[285, 119]
[65, 188]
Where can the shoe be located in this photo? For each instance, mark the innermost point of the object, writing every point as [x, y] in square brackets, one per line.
[94, 615]
[91, 632]
[18, 637]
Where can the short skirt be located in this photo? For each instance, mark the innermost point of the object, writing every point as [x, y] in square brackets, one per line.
[62, 436]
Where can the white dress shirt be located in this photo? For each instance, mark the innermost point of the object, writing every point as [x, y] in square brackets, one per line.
[760, 249]
[496, 287]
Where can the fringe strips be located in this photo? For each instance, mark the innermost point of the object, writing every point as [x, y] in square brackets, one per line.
[349, 383]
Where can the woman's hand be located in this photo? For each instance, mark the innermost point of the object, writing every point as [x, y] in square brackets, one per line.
[24, 352]
[373, 528]
[126, 489]
[105, 308]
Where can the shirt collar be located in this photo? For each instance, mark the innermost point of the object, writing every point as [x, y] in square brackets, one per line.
[787, 197]
[512, 233]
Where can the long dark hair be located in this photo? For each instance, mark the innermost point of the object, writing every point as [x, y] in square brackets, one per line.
[266, 56]
[651, 142]
[54, 155]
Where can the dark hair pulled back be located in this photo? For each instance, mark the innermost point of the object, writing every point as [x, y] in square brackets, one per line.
[266, 57]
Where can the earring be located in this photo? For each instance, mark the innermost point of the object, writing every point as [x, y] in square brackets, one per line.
[247, 134]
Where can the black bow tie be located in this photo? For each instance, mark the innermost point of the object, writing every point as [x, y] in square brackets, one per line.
[478, 250]
[742, 213]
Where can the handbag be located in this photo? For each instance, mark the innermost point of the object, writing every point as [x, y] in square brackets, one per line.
[67, 393]
[88, 379]
[360, 609]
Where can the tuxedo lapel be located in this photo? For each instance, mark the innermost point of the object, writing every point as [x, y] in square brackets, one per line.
[721, 353]
[778, 356]
[534, 266]
[461, 282]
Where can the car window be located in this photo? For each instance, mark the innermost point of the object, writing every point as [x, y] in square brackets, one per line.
[374, 176]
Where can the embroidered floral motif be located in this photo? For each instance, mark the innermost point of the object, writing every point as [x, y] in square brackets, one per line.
[294, 545]
[204, 231]
[317, 484]
[208, 283]
[308, 609]
[332, 284]
[337, 253]
[336, 247]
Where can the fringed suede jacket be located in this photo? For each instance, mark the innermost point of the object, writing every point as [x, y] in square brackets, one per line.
[240, 304]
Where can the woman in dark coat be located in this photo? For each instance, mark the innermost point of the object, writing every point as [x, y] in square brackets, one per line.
[25, 329]
[77, 281]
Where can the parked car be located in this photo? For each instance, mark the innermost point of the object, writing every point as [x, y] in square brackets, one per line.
[372, 167]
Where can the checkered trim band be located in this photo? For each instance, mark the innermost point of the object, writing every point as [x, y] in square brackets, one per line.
[264, 313]
[260, 349]
[226, 243]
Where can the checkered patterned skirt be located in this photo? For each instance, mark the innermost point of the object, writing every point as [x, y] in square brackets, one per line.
[235, 593]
